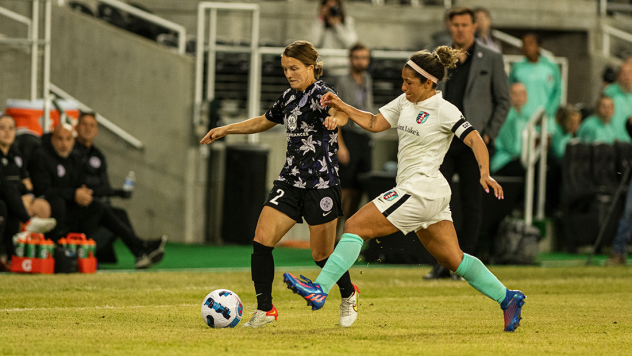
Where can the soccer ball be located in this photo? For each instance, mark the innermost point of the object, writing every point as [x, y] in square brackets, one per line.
[222, 309]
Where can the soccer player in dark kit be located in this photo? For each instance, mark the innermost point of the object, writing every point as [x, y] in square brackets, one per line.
[308, 185]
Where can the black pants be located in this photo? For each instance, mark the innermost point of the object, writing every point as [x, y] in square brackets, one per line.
[72, 217]
[460, 159]
[14, 213]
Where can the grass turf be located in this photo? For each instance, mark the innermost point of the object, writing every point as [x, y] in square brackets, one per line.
[569, 311]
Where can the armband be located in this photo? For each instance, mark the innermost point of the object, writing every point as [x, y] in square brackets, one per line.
[462, 128]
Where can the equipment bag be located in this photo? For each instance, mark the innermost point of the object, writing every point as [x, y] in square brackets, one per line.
[516, 243]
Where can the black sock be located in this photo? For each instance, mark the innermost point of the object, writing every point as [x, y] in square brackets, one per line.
[344, 283]
[262, 269]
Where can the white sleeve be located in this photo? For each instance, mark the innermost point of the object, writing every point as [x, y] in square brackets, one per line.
[452, 120]
[392, 110]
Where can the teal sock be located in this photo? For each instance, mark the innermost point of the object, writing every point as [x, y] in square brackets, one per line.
[479, 277]
[344, 256]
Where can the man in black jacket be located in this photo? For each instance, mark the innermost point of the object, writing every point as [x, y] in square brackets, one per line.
[478, 88]
[96, 178]
[58, 175]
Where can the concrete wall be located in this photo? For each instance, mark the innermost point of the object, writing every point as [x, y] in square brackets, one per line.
[147, 90]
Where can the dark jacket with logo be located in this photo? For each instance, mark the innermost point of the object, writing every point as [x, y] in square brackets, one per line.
[94, 170]
[12, 170]
[55, 176]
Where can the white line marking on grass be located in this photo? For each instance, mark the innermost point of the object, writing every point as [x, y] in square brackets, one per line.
[98, 307]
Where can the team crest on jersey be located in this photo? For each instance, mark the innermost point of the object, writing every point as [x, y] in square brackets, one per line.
[291, 122]
[422, 117]
[390, 195]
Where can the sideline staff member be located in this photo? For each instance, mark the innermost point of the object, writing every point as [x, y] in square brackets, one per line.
[478, 88]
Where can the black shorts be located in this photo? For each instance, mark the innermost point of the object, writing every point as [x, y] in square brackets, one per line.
[359, 147]
[318, 206]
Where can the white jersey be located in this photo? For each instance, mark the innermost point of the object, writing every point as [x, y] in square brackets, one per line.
[425, 131]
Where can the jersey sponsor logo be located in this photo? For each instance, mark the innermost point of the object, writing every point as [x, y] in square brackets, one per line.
[61, 171]
[422, 117]
[18, 161]
[410, 130]
[326, 204]
[390, 195]
[95, 162]
[5, 161]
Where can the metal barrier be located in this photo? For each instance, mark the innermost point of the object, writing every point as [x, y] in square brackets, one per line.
[254, 86]
[182, 33]
[32, 38]
[530, 155]
[100, 119]
[608, 31]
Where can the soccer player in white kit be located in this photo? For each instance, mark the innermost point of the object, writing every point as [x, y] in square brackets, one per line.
[426, 125]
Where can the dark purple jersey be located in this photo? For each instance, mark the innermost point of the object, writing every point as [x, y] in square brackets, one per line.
[311, 161]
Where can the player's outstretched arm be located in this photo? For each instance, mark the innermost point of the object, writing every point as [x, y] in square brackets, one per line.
[476, 143]
[254, 125]
[366, 120]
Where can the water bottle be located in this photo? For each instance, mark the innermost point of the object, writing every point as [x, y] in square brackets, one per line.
[129, 182]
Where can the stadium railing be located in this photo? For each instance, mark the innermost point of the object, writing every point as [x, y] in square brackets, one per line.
[33, 41]
[531, 153]
[179, 29]
[609, 31]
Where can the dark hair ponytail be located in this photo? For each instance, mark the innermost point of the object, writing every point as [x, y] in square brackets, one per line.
[437, 62]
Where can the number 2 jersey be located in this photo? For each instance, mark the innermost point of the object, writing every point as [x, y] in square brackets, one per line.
[311, 161]
[425, 131]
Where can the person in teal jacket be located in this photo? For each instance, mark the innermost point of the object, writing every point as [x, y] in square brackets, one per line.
[598, 128]
[541, 76]
[509, 140]
[621, 94]
[568, 120]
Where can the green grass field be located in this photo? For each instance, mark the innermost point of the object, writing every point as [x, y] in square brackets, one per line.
[569, 311]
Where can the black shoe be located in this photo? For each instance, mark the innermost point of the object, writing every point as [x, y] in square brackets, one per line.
[438, 271]
[154, 252]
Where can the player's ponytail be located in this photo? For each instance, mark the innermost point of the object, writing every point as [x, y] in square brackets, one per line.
[447, 56]
[432, 66]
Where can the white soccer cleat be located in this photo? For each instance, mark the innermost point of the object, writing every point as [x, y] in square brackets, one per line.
[40, 225]
[349, 308]
[261, 318]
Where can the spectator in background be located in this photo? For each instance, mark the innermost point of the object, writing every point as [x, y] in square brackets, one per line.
[354, 152]
[598, 127]
[334, 29]
[96, 179]
[484, 29]
[57, 174]
[506, 160]
[444, 36]
[621, 94]
[568, 119]
[478, 88]
[16, 191]
[540, 76]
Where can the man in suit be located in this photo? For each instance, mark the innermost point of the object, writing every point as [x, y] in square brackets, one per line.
[478, 87]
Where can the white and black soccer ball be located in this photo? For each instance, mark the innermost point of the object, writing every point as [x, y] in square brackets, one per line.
[222, 309]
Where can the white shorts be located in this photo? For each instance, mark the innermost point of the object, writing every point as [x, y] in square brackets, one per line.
[411, 212]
